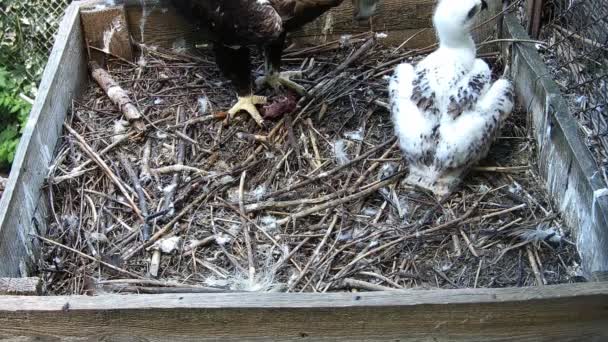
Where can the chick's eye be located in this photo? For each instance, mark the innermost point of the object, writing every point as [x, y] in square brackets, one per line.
[472, 13]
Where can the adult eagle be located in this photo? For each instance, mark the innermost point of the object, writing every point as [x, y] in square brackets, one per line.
[236, 24]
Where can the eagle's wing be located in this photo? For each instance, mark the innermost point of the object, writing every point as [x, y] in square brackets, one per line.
[467, 90]
[235, 22]
[305, 11]
[467, 138]
[414, 117]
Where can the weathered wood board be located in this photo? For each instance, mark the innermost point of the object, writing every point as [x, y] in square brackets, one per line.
[571, 175]
[106, 29]
[400, 19]
[575, 312]
[22, 208]
[569, 312]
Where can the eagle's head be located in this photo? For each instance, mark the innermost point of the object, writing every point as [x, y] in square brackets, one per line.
[453, 20]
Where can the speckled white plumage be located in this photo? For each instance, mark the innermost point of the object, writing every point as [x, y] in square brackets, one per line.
[445, 110]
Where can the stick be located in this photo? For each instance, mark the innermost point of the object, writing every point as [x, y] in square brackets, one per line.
[117, 269]
[161, 290]
[140, 192]
[477, 273]
[168, 201]
[97, 159]
[414, 235]
[539, 278]
[155, 263]
[360, 284]
[246, 227]
[177, 168]
[129, 254]
[145, 173]
[330, 204]
[316, 253]
[330, 172]
[118, 95]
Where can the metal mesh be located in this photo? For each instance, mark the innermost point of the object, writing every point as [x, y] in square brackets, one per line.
[27, 32]
[577, 53]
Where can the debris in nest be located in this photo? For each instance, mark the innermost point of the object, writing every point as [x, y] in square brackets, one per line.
[120, 130]
[355, 135]
[169, 245]
[269, 223]
[339, 147]
[258, 193]
[541, 233]
[324, 210]
[203, 105]
[98, 237]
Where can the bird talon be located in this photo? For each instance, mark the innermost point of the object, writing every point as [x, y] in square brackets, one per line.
[280, 80]
[248, 104]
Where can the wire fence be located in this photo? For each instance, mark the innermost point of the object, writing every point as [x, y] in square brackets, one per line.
[576, 32]
[27, 31]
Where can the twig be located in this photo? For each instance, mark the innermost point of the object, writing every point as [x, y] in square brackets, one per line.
[140, 192]
[117, 95]
[117, 269]
[371, 189]
[89, 151]
[246, 227]
[360, 284]
[537, 274]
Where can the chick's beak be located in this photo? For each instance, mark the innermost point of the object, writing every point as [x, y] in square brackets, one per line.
[365, 9]
[484, 5]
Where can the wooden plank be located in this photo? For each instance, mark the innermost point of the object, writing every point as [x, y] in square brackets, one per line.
[61, 82]
[572, 178]
[161, 26]
[106, 28]
[400, 19]
[553, 313]
[31, 286]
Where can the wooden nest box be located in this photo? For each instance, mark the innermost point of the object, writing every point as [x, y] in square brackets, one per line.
[567, 312]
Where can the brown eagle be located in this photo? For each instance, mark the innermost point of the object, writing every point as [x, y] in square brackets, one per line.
[237, 24]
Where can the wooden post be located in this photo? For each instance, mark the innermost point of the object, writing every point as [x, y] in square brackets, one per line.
[106, 32]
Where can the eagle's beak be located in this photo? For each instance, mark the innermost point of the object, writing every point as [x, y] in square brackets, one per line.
[365, 9]
[484, 5]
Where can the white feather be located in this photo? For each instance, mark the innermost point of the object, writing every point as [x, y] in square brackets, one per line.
[339, 147]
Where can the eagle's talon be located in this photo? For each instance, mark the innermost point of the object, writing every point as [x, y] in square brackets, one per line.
[247, 104]
[282, 79]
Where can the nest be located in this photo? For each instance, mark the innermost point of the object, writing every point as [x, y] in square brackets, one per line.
[313, 203]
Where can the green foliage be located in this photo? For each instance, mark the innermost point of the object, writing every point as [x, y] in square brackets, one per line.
[26, 35]
[13, 113]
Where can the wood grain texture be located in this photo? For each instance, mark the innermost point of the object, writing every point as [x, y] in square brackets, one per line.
[31, 286]
[553, 313]
[62, 80]
[400, 19]
[106, 28]
[162, 26]
[570, 173]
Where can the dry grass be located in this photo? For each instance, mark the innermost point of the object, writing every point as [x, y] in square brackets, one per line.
[318, 206]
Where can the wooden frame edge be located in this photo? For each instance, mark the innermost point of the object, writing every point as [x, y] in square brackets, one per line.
[570, 172]
[22, 195]
[551, 313]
